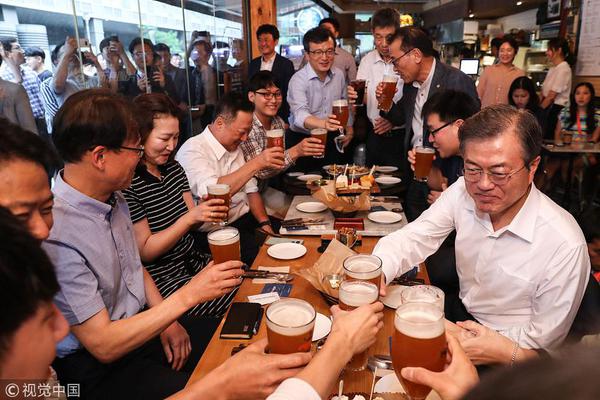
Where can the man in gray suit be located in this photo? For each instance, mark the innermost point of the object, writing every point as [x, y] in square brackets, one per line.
[14, 105]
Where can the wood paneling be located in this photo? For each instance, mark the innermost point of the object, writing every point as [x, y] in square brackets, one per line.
[261, 12]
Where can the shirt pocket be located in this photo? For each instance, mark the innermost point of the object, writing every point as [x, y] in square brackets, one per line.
[512, 287]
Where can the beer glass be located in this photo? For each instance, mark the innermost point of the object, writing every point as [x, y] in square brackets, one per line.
[290, 325]
[423, 294]
[340, 110]
[353, 294]
[224, 244]
[220, 191]
[418, 341]
[389, 89]
[320, 134]
[363, 267]
[359, 86]
[423, 161]
[567, 137]
[275, 138]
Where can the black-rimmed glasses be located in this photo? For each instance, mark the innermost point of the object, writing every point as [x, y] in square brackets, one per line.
[395, 60]
[270, 95]
[437, 130]
[139, 150]
[474, 175]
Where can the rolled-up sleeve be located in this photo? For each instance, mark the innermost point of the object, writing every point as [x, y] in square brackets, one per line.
[294, 389]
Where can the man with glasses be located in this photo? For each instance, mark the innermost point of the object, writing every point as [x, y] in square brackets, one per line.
[267, 98]
[311, 94]
[522, 260]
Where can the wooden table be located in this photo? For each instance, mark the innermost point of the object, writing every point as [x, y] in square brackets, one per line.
[219, 350]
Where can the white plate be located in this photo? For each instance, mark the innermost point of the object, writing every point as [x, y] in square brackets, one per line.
[295, 174]
[386, 168]
[392, 298]
[391, 384]
[286, 251]
[322, 327]
[309, 177]
[311, 207]
[387, 180]
[385, 217]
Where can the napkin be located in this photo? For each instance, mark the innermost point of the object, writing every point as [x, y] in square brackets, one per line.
[347, 204]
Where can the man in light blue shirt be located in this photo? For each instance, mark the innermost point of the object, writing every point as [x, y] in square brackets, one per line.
[311, 93]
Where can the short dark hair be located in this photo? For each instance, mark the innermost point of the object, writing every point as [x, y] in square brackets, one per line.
[17, 143]
[137, 41]
[104, 43]
[231, 104]
[162, 47]
[27, 278]
[523, 82]
[496, 42]
[413, 38]
[332, 21]
[262, 80]
[93, 117]
[511, 41]
[35, 52]
[385, 18]
[269, 29]
[560, 44]
[7, 43]
[450, 105]
[55, 52]
[151, 106]
[206, 44]
[498, 119]
[316, 35]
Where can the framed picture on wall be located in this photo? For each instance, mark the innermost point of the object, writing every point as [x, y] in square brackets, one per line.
[553, 11]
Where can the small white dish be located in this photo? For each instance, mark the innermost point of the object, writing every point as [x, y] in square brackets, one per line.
[286, 251]
[385, 217]
[387, 180]
[295, 174]
[391, 384]
[386, 168]
[309, 177]
[322, 327]
[311, 207]
[393, 295]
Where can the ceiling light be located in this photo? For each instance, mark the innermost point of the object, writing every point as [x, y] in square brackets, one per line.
[471, 15]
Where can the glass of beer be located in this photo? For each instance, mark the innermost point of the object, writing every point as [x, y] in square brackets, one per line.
[359, 85]
[220, 191]
[275, 138]
[290, 325]
[340, 110]
[423, 294]
[423, 161]
[320, 134]
[363, 267]
[353, 294]
[418, 341]
[389, 89]
[567, 137]
[224, 244]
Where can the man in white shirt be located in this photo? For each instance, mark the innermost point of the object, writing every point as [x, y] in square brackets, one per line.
[343, 59]
[521, 259]
[214, 156]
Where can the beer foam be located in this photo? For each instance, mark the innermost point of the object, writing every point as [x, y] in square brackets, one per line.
[224, 236]
[218, 189]
[318, 131]
[427, 150]
[419, 323]
[340, 103]
[390, 78]
[358, 293]
[275, 133]
[290, 318]
[362, 267]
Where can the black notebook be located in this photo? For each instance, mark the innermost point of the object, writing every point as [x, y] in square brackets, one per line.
[242, 322]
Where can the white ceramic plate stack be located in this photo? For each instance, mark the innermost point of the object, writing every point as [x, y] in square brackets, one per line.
[386, 168]
[286, 251]
[311, 207]
[385, 217]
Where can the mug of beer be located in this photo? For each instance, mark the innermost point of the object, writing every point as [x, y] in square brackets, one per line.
[423, 294]
[353, 294]
[423, 162]
[363, 267]
[359, 85]
[290, 325]
[389, 89]
[275, 138]
[418, 341]
[567, 137]
[224, 244]
[220, 191]
[320, 134]
[340, 110]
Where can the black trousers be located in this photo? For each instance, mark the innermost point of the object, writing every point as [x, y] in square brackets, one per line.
[386, 149]
[552, 114]
[144, 373]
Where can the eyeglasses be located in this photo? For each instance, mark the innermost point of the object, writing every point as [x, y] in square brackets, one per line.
[474, 175]
[395, 60]
[320, 53]
[270, 95]
[139, 150]
[436, 131]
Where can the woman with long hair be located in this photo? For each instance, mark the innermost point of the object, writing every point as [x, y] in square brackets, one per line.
[522, 95]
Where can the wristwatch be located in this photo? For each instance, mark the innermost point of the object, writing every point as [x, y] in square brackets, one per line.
[261, 224]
